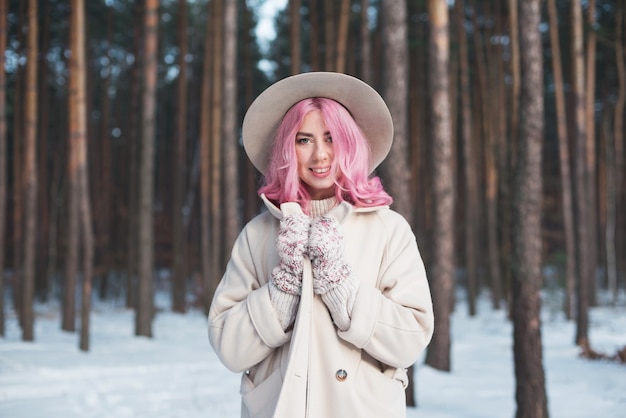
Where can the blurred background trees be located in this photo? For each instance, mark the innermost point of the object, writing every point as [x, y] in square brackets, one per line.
[168, 185]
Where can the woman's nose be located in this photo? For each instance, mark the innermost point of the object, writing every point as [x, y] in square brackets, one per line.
[321, 151]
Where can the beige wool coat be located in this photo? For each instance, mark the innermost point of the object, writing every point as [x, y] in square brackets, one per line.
[315, 370]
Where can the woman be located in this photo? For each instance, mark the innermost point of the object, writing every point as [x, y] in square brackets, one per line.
[325, 301]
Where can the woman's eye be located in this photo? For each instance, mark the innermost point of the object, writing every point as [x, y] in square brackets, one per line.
[329, 139]
[303, 140]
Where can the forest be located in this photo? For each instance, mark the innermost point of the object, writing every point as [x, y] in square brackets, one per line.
[122, 170]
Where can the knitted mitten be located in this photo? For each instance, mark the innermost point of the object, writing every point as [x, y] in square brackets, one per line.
[332, 277]
[285, 284]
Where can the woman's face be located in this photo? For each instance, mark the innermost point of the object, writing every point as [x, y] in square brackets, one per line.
[314, 150]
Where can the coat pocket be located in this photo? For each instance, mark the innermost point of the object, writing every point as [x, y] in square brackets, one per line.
[398, 374]
[381, 393]
[260, 401]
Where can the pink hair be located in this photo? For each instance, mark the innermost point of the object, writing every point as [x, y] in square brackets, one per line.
[351, 159]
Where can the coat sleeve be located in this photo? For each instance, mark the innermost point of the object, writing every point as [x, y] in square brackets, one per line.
[243, 327]
[393, 322]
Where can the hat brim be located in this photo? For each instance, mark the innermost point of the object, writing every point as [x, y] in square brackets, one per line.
[366, 106]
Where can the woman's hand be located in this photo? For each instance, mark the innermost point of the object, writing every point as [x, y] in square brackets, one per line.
[286, 280]
[332, 277]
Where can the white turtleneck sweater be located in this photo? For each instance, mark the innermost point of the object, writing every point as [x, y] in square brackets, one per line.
[322, 207]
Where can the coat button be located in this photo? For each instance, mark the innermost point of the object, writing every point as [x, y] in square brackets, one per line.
[341, 375]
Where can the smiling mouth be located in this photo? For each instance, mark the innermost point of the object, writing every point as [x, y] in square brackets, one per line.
[320, 170]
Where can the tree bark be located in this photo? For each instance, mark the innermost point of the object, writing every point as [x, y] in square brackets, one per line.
[104, 176]
[506, 205]
[617, 158]
[590, 168]
[145, 305]
[30, 175]
[583, 242]
[420, 184]
[499, 154]
[471, 221]
[133, 169]
[342, 36]
[611, 194]
[72, 225]
[330, 23]
[442, 268]
[42, 279]
[232, 224]
[395, 92]
[620, 178]
[294, 35]
[216, 149]
[18, 182]
[314, 36]
[530, 392]
[205, 162]
[78, 133]
[3, 154]
[179, 277]
[366, 45]
[564, 161]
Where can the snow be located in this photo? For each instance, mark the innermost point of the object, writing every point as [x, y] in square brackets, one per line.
[176, 373]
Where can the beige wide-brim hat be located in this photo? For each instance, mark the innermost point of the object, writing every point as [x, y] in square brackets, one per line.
[366, 106]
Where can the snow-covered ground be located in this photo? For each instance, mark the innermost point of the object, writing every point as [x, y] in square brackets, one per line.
[176, 374]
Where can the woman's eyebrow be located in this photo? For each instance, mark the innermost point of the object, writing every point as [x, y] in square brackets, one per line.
[310, 135]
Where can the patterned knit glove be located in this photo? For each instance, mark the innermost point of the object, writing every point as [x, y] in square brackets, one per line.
[332, 277]
[286, 281]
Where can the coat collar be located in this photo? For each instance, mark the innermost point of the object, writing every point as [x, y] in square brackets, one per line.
[339, 212]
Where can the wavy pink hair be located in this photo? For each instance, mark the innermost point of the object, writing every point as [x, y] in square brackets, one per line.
[351, 159]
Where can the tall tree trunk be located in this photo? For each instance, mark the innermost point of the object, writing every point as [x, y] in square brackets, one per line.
[564, 161]
[342, 36]
[229, 128]
[620, 178]
[133, 169]
[618, 159]
[78, 133]
[611, 200]
[582, 205]
[419, 152]
[366, 45]
[471, 221]
[104, 178]
[3, 154]
[68, 319]
[506, 205]
[294, 35]
[145, 308]
[497, 121]
[180, 169]
[18, 205]
[395, 92]
[216, 146]
[206, 123]
[42, 280]
[314, 36]
[530, 392]
[590, 170]
[30, 174]
[330, 23]
[442, 268]
[515, 70]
